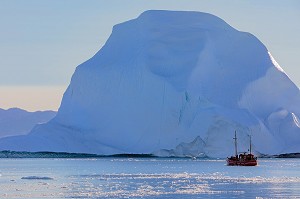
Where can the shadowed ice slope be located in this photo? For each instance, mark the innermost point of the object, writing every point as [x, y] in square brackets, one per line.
[174, 83]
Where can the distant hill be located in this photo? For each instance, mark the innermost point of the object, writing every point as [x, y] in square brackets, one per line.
[15, 121]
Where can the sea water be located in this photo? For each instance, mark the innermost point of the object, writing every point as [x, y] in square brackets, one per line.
[147, 178]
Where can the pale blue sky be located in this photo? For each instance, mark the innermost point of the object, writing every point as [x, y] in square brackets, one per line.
[42, 41]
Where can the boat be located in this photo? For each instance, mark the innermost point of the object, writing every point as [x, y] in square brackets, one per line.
[242, 159]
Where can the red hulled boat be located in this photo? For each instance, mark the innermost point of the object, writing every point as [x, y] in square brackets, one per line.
[243, 159]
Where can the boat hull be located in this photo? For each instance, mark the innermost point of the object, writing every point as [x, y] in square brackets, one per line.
[241, 162]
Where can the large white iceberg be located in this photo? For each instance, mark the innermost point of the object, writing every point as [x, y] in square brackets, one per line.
[173, 83]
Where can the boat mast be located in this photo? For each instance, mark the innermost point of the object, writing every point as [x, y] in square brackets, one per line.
[235, 144]
[250, 144]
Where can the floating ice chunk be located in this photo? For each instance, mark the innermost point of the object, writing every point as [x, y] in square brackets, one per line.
[36, 178]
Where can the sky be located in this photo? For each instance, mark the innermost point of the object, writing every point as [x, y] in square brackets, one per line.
[42, 42]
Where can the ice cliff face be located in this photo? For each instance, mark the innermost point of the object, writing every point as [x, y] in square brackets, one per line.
[174, 83]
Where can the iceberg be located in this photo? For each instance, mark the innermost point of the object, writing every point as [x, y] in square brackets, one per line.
[173, 83]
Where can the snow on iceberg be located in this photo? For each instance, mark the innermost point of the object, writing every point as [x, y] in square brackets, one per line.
[173, 83]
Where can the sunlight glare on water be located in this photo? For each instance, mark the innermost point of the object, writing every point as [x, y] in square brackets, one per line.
[147, 177]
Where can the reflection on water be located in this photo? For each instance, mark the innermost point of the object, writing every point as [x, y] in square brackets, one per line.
[147, 178]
